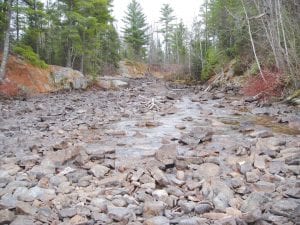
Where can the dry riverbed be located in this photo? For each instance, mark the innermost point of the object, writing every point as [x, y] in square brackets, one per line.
[149, 155]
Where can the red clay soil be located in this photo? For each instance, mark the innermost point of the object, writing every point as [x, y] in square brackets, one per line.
[23, 78]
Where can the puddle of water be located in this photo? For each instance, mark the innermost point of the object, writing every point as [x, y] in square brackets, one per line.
[223, 121]
[269, 122]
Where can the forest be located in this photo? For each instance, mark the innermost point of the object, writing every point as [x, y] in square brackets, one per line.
[262, 37]
[152, 122]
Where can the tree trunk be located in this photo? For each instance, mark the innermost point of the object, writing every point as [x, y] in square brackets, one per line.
[252, 41]
[6, 42]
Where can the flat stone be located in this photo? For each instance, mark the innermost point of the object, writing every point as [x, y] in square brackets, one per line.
[160, 195]
[286, 207]
[259, 162]
[244, 167]
[206, 170]
[8, 201]
[202, 208]
[23, 220]
[67, 212]
[226, 221]
[119, 213]
[187, 206]
[264, 186]
[192, 221]
[6, 216]
[252, 176]
[99, 171]
[215, 216]
[254, 201]
[261, 134]
[78, 220]
[99, 150]
[154, 208]
[159, 176]
[158, 220]
[25, 208]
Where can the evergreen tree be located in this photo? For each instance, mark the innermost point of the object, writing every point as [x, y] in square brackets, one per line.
[179, 43]
[135, 31]
[166, 21]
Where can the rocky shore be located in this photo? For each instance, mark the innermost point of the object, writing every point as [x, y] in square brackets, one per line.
[150, 154]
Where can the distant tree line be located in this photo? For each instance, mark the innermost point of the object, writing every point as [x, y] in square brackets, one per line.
[75, 33]
[256, 34]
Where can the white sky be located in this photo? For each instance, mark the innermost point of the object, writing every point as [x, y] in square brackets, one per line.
[183, 9]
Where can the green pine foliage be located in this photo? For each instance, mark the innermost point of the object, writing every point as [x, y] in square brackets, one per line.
[28, 54]
[135, 31]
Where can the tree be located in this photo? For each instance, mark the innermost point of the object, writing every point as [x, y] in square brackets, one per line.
[179, 43]
[6, 40]
[166, 21]
[135, 30]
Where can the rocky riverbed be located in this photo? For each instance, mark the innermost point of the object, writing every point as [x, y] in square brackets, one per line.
[148, 154]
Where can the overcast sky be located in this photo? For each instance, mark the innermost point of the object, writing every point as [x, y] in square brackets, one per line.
[183, 9]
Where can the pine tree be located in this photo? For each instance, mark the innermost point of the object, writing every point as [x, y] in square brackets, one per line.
[179, 43]
[135, 31]
[166, 21]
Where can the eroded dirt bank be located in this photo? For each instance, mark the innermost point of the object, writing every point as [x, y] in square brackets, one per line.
[148, 155]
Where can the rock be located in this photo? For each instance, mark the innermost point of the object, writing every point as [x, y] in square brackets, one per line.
[78, 220]
[254, 201]
[192, 221]
[192, 185]
[264, 186]
[204, 207]
[180, 175]
[218, 192]
[120, 214]
[23, 194]
[252, 176]
[23, 220]
[167, 154]
[261, 134]
[68, 78]
[67, 212]
[24, 208]
[101, 218]
[99, 171]
[119, 84]
[154, 208]
[6, 216]
[171, 96]
[100, 204]
[226, 221]
[159, 176]
[8, 201]
[186, 206]
[119, 202]
[158, 220]
[98, 150]
[197, 136]
[215, 216]
[244, 167]
[259, 162]
[206, 170]
[160, 195]
[252, 216]
[172, 190]
[286, 207]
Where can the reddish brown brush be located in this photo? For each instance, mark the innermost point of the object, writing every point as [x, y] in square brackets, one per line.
[9, 89]
[272, 86]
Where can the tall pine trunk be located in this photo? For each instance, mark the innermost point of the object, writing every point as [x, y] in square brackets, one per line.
[6, 42]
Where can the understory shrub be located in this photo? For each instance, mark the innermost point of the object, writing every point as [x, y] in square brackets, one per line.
[273, 86]
[28, 54]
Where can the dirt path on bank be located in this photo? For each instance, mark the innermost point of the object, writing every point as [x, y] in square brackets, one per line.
[148, 154]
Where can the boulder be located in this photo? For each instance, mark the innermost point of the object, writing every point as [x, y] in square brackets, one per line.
[68, 78]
